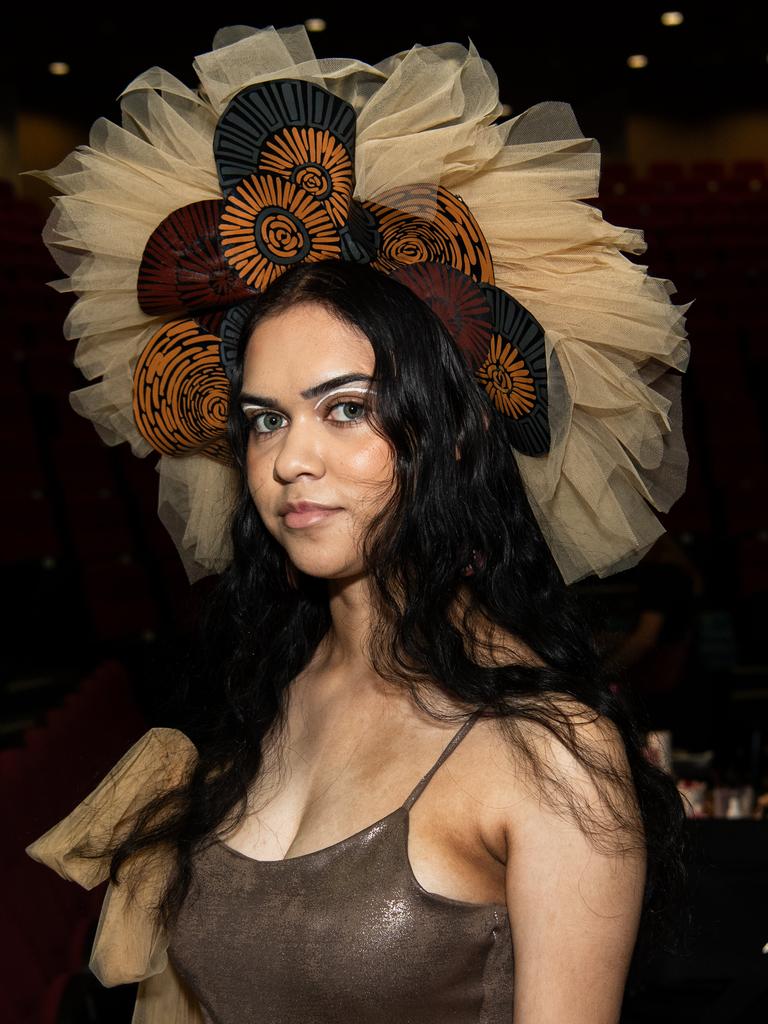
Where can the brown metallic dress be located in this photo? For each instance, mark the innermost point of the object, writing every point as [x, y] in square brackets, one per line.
[344, 934]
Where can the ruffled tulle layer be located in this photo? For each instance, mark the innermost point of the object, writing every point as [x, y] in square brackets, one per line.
[425, 115]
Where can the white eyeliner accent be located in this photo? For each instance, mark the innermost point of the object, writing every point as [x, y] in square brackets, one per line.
[336, 391]
[248, 407]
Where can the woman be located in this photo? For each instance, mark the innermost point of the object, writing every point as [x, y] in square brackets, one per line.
[412, 795]
[337, 683]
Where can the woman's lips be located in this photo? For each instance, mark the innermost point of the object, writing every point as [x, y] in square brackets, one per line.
[310, 518]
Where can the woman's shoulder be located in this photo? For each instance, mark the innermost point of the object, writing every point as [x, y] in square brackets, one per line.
[514, 771]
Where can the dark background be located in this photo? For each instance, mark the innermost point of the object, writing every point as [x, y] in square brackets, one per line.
[97, 602]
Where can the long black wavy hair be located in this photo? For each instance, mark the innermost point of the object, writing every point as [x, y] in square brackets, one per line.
[264, 618]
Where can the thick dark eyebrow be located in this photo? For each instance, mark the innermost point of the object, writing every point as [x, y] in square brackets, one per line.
[314, 392]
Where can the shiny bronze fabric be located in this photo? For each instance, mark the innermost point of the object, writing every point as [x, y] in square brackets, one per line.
[344, 935]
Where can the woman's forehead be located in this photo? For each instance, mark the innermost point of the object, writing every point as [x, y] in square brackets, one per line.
[304, 345]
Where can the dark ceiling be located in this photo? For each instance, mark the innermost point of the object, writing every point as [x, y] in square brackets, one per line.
[715, 62]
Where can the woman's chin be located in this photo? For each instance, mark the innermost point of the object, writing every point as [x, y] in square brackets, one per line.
[329, 569]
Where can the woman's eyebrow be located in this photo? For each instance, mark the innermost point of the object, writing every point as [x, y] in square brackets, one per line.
[314, 392]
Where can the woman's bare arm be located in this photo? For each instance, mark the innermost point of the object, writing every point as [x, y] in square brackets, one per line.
[574, 909]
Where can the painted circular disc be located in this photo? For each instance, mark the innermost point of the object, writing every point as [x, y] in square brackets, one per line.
[183, 267]
[181, 392]
[269, 224]
[315, 161]
[457, 300]
[293, 129]
[514, 372]
[423, 223]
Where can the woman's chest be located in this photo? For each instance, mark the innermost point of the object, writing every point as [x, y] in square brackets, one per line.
[304, 803]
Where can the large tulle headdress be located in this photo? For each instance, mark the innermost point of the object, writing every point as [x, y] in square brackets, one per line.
[171, 225]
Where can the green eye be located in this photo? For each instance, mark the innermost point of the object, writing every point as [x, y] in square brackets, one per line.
[270, 419]
[255, 419]
[355, 403]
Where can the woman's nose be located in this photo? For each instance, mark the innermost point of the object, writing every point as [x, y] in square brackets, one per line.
[300, 450]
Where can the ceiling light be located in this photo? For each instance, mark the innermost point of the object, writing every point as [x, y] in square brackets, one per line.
[59, 67]
[672, 18]
[637, 60]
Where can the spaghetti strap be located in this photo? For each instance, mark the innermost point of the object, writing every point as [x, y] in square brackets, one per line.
[417, 791]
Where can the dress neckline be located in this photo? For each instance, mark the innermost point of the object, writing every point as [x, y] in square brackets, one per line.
[406, 805]
[312, 853]
[402, 812]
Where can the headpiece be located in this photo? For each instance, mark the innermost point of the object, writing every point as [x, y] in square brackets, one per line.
[170, 225]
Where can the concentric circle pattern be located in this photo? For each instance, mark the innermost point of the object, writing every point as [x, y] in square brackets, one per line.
[457, 300]
[421, 223]
[269, 224]
[507, 379]
[316, 162]
[258, 122]
[183, 267]
[181, 392]
[514, 373]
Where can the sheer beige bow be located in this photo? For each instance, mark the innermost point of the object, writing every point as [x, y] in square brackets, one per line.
[130, 944]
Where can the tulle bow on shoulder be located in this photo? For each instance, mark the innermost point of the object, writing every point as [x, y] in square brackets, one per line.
[130, 944]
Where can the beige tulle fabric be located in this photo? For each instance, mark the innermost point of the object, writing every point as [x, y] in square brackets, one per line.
[424, 115]
[130, 944]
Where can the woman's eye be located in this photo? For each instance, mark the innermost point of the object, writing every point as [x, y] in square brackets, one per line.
[268, 422]
[268, 416]
[356, 405]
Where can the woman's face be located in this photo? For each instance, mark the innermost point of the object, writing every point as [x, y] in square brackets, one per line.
[309, 440]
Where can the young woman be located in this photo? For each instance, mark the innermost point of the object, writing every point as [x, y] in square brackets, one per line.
[405, 790]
